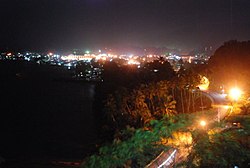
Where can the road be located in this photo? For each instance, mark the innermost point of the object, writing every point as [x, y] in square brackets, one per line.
[175, 156]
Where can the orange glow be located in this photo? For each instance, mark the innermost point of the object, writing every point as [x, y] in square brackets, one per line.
[203, 123]
[235, 93]
[132, 62]
[204, 83]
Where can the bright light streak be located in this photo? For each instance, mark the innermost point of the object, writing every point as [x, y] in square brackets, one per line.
[189, 59]
[170, 157]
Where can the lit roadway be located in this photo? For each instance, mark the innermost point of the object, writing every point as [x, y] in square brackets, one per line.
[219, 102]
[216, 98]
[173, 156]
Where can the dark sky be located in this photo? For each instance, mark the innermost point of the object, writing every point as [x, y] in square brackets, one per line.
[67, 24]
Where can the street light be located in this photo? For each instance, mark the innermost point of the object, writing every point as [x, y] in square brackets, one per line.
[235, 94]
[203, 123]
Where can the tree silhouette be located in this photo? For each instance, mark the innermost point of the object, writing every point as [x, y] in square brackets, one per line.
[140, 146]
[156, 71]
[225, 148]
[230, 64]
[141, 105]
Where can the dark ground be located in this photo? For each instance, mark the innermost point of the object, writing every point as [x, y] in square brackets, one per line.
[45, 121]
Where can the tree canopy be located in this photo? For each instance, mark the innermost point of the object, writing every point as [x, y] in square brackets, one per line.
[230, 64]
[224, 148]
[139, 106]
[141, 145]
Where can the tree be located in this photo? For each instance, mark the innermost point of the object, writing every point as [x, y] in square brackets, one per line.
[141, 105]
[140, 147]
[183, 87]
[230, 64]
[156, 71]
[219, 148]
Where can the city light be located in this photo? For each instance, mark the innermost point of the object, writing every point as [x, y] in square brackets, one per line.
[133, 62]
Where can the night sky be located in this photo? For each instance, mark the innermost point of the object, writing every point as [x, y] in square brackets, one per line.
[68, 24]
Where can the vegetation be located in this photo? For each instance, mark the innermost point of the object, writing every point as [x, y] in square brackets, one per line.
[124, 84]
[156, 71]
[230, 64]
[225, 148]
[145, 114]
[221, 146]
[140, 145]
[185, 92]
[137, 104]
[140, 106]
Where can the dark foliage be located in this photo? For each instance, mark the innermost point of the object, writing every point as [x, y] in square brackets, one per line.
[230, 64]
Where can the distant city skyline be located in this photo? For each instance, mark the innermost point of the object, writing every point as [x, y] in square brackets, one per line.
[69, 24]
